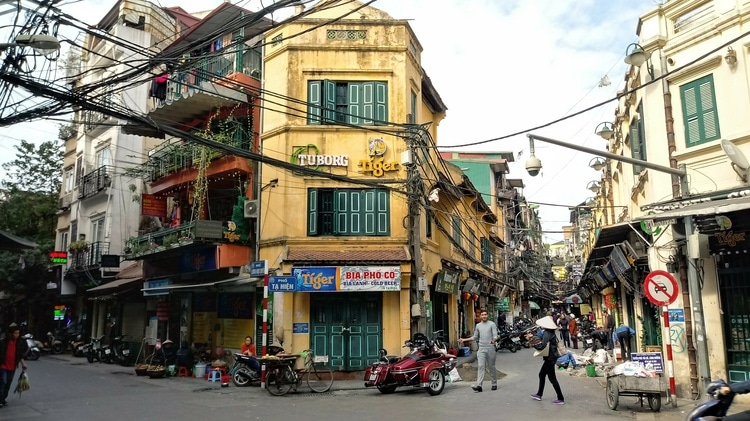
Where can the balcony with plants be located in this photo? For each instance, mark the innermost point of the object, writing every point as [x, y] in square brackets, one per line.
[83, 255]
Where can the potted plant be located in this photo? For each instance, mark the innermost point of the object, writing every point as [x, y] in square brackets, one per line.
[78, 247]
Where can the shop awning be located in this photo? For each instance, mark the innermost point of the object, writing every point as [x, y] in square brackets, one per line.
[534, 306]
[607, 238]
[11, 242]
[574, 299]
[231, 282]
[710, 207]
[395, 254]
[115, 284]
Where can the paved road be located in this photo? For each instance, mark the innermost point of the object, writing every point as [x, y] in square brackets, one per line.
[66, 388]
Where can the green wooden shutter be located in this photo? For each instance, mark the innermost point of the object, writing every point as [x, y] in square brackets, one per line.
[314, 101]
[368, 103]
[635, 146]
[354, 99]
[330, 102]
[381, 103]
[312, 212]
[355, 212]
[341, 209]
[699, 111]
[383, 210]
[456, 222]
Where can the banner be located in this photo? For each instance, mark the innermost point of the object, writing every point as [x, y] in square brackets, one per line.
[337, 279]
[153, 206]
[447, 282]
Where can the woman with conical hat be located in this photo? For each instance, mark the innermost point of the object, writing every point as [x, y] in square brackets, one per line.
[548, 362]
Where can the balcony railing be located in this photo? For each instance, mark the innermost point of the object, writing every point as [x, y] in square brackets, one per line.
[213, 68]
[89, 256]
[195, 232]
[94, 182]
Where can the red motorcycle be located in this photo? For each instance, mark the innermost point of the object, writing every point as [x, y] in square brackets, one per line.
[425, 366]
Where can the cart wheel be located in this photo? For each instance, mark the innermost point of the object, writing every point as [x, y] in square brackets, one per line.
[613, 394]
[654, 401]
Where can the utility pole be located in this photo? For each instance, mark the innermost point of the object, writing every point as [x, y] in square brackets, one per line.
[414, 189]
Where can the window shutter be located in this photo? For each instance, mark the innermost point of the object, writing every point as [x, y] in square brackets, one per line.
[340, 211]
[381, 103]
[354, 99]
[329, 101]
[708, 110]
[368, 103]
[690, 112]
[456, 231]
[312, 212]
[314, 101]
[383, 213]
[355, 212]
[635, 145]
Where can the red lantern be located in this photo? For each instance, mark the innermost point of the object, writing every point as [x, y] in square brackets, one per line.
[466, 296]
[475, 297]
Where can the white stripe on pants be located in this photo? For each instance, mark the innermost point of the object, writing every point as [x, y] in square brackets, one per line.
[486, 358]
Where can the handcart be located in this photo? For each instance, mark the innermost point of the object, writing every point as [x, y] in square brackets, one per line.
[641, 387]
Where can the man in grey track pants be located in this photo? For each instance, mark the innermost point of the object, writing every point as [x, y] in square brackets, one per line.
[485, 333]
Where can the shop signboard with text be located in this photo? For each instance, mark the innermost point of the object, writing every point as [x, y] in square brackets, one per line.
[338, 278]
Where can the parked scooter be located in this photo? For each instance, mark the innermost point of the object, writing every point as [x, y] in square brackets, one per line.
[55, 345]
[425, 366]
[246, 369]
[508, 339]
[34, 351]
[120, 353]
[717, 406]
[97, 351]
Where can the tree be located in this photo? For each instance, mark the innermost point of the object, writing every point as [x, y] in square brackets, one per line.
[28, 208]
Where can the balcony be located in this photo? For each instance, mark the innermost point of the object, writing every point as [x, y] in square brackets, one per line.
[87, 255]
[207, 83]
[94, 182]
[199, 232]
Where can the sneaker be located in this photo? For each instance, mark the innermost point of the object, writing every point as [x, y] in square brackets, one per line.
[476, 388]
[494, 387]
[558, 402]
[536, 397]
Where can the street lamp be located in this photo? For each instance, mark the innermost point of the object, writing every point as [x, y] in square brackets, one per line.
[594, 186]
[597, 163]
[604, 130]
[42, 43]
[636, 55]
[692, 271]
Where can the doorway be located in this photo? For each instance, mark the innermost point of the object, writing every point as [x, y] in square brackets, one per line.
[347, 327]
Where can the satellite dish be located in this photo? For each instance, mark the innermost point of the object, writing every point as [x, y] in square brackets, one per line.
[737, 158]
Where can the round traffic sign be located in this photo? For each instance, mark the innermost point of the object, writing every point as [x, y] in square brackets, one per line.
[660, 288]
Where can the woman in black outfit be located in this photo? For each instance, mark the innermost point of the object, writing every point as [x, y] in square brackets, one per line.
[548, 365]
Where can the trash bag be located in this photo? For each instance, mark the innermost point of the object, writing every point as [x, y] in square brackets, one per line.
[453, 376]
[23, 383]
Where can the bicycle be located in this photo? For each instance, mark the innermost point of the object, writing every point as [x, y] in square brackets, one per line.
[281, 376]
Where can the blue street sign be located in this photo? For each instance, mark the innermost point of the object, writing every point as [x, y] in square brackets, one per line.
[282, 284]
[259, 269]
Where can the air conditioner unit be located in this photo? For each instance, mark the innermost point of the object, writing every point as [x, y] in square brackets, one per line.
[251, 209]
[64, 202]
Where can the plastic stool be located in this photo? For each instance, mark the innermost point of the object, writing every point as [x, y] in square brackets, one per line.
[226, 379]
[183, 372]
[215, 376]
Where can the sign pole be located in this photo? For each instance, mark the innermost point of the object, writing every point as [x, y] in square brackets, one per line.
[670, 367]
[258, 269]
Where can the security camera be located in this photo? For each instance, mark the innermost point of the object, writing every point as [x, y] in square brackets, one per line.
[533, 166]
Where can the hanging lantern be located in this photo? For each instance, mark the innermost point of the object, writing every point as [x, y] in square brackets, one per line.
[475, 297]
[466, 296]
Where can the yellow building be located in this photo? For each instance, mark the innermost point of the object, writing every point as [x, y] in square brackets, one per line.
[339, 100]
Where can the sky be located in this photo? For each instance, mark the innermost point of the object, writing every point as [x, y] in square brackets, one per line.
[501, 67]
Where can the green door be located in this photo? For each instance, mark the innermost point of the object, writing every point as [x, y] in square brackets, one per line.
[346, 326]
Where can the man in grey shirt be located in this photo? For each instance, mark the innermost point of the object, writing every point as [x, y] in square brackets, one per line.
[485, 333]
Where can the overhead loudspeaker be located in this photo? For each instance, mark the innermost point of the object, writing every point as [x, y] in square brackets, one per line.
[251, 209]
[740, 165]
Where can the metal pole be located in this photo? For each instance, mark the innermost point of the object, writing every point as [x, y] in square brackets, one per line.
[413, 185]
[699, 323]
[264, 338]
[670, 365]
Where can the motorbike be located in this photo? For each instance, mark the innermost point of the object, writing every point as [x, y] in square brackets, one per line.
[425, 366]
[34, 351]
[97, 351]
[716, 407]
[120, 353]
[53, 344]
[508, 339]
[243, 371]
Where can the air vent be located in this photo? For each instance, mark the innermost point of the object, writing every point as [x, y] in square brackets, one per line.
[251, 209]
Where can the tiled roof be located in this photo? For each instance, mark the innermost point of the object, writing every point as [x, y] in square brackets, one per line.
[360, 255]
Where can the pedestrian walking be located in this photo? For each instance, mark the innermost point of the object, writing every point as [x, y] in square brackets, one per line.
[485, 333]
[548, 362]
[12, 351]
[624, 333]
[573, 329]
[562, 323]
[609, 323]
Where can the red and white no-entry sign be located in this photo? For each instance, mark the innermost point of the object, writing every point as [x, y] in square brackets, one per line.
[660, 288]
